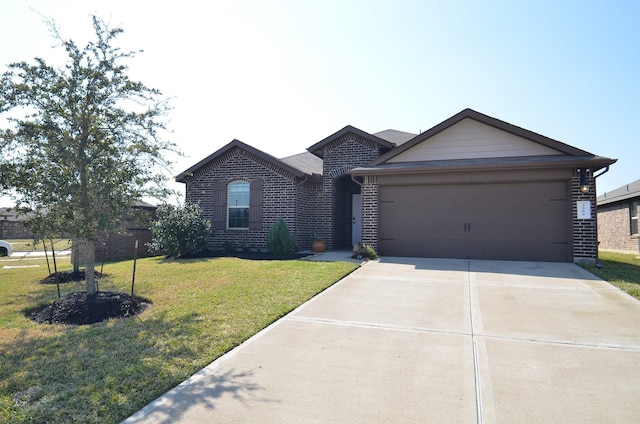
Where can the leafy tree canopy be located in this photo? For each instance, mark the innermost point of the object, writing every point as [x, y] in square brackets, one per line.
[81, 142]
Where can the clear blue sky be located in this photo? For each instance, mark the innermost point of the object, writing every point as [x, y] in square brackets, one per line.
[282, 75]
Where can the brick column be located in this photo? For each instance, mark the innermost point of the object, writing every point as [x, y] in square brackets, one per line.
[585, 235]
[370, 211]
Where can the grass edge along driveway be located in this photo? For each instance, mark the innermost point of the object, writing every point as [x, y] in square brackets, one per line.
[102, 373]
[620, 269]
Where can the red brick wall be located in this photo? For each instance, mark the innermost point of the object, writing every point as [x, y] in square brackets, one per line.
[283, 195]
[370, 211]
[614, 228]
[585, 237]
[309, 195]
[340, 156]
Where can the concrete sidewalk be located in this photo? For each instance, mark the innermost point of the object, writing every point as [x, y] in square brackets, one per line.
[409, 340]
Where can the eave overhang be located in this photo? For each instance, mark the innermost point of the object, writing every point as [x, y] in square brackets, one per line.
[594, 163]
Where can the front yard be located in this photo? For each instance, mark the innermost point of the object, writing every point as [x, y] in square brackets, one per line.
[201, 309]
[104, 372]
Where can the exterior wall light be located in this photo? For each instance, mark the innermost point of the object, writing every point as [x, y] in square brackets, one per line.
[584, 185]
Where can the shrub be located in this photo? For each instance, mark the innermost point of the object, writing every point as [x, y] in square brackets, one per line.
[365, 251]
[281, 242]
[179, 231]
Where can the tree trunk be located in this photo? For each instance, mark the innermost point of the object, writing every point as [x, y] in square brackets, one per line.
[91, 265]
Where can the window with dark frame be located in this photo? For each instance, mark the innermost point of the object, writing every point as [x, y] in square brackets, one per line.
[238, 205]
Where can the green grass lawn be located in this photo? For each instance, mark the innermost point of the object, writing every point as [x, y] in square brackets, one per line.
[620, 269]
[26, 245]
[104, 372]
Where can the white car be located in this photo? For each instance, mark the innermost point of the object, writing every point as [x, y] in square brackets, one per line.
[5, 248]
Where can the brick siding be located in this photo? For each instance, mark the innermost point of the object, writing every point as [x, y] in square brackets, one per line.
[370, 211]
[323, 207]
[340, 156]
[14, 230]
[283, 196]
[585, 237]
[614, 227]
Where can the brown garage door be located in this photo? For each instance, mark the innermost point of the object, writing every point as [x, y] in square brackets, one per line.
[506, 221]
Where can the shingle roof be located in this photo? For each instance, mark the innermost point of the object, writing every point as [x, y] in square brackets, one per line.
[394, 136]
[625, 192]
[9, 214]
[306, 162]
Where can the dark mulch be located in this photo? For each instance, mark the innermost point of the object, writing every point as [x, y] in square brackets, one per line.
[67, 277]
[80, 309]
[264, 256]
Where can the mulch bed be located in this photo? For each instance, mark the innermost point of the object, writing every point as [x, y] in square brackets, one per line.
[67, 277]
[259, 256]
[80, 309]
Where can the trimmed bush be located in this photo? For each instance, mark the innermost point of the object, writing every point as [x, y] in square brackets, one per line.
[180, 231]
[281, 242]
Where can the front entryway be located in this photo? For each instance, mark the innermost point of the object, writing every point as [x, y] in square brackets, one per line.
[356, 219]
[347, 216]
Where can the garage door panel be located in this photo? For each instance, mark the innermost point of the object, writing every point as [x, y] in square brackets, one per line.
[516, 221]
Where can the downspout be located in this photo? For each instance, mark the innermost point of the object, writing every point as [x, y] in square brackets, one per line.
[606, 169]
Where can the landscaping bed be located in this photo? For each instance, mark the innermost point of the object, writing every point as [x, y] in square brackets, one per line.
[80, 309]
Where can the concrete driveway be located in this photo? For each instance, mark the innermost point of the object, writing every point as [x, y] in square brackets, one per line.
[431, 341]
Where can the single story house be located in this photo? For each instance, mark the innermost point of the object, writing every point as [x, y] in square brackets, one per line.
[472, 186]
[618, 218]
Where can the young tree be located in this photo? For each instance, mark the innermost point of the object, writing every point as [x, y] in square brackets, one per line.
[83, 141]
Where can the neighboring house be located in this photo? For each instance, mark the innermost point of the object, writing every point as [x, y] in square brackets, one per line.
[618, 218]
[470, 187]
[116, 247]
[12, 225]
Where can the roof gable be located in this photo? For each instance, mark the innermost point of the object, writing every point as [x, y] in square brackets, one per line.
[472, 135]
[181, 178]
[318, 148]
[470, 139]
